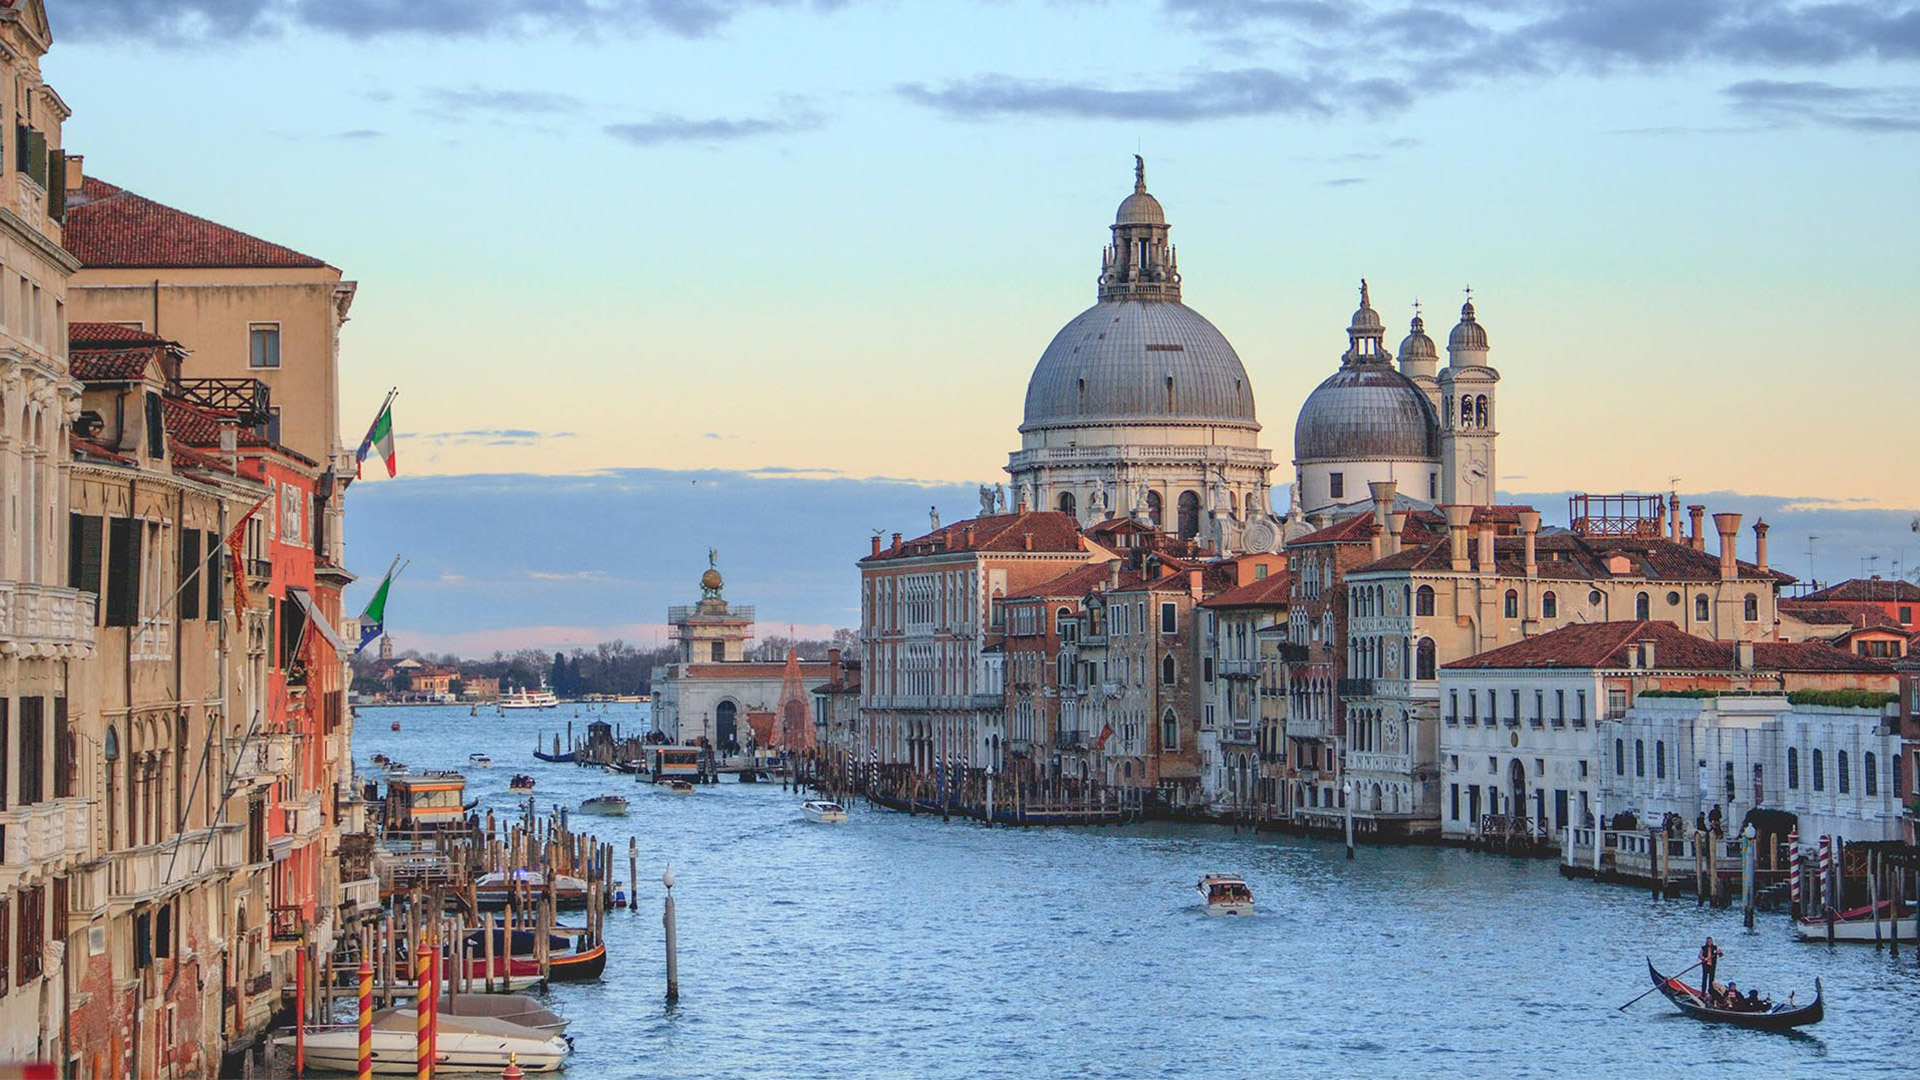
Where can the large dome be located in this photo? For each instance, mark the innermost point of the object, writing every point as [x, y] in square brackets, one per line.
[1366, 411]
[1139, 361]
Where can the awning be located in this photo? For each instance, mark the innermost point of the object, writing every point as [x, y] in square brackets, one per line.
[313, 614]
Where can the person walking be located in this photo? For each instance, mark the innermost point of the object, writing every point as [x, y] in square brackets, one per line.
[1709, 959]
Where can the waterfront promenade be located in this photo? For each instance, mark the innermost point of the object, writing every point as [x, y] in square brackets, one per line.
[897, 946]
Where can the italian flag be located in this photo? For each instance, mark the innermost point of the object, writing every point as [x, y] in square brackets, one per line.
[380, 438]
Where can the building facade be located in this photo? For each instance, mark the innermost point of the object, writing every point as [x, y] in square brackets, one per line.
[1241, 700]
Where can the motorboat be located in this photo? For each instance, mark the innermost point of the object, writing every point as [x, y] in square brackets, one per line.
[1692, 1002]
[605, 805]
[823, 811]
[521, 784]
[398, 768]
[461, 1043]
[679, 787]
[1857, 925]
[493, 890]
[380, 759]
[480, 761]
[529, 699]
[1225, 894]
[520, 1009]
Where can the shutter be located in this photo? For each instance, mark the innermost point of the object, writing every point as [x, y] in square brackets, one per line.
[216, 561]
[36, 166]
[156, 427]
[62, 766]
[5, 741]
[19, 147]
[189, 566]
[76, 548]
[123, 572]
[57, 184]
[87, 570]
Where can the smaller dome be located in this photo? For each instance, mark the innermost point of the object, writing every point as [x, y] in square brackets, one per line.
[1140, 208]
[1469, 334]
[710, 581]
[1366, 320]
[1417, 345]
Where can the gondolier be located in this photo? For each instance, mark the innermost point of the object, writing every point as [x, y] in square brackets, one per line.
[1709, 959]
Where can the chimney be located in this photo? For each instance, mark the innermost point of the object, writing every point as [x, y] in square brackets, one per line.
[1457, 519]
[1382, 500]
[76, 174]
[1728, 526]
[1696, 541]
[1760, 544]
[1486, 547]
[1530, 528]
[1113, 574]
[1026, 541]
[1673, 520]
[876, 544]
[1194, 587]
[896, 541]
[966, 537]
[1646, 653]
[833, 668]
[1743, 655]
[1396, 525]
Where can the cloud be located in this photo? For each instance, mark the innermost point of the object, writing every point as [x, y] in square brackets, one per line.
[1872, 110]
[1201, 95]
[358, 134]
[1343, 181]
[666, 128]
[494, 436]
[473, 102]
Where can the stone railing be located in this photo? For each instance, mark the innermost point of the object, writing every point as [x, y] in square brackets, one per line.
[143, 873]
[45, 832]
[46, 620]
[1379, 762]
[1062, 455]
[1301, 727]
[1239, 669]
[262, 757]
[362, 894]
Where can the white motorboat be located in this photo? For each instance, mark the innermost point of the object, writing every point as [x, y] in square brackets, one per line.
[462, 1044]
[605, 805]
[480, 761]
[1857, 925]
[1225, 894]
[521, 784]
[823, 811]
[529, 699]
[398, 768]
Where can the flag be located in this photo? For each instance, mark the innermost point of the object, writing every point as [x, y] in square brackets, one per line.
[373, 621]
[1106, 732]
[236, 546]
[379, 438]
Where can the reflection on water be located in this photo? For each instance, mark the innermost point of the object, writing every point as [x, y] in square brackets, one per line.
[907, 947]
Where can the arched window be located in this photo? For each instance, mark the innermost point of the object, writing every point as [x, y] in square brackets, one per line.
[1642, 607]
[1423, 660]
[1871, 774]
[1482, 412]
[1513, 604]
[1660, 759]
[1702, 611]
[1067, 503]
[1423, 600]
[1639, 757]
[1751, 609]
[1169, 731]
[1549, 605]
[1845, 782]
[1819, 772]
[1619, 757]
[1466, 410]
[1166, 670]
[1189, 515]
[1793, 768]
[1153, 508]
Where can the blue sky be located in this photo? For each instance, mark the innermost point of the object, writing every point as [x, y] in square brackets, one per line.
[695, 235]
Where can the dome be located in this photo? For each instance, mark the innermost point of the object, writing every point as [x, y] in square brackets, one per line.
[710, 581]
[1138, 361]
[1365, 319]
[1469, 334]
[1366, 411]
[1417, 345]
[1140, 208]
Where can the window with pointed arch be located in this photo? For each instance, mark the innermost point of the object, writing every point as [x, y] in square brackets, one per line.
[1169, 731]
[1842, 779]
[1167, 671]
[1793, 768]
[1819, 772]
[1424, 658]
[1750, 610]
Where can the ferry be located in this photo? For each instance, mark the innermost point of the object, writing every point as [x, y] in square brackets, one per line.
[823, 811]
[529, 699]
[605, 805]
[1225, 894]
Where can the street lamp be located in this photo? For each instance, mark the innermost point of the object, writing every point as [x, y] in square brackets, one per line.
[1346, 803]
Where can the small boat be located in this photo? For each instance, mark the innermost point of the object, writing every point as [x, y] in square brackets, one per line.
[1225, 894]
[823, 811]
[555, 759]
[398, 768]
[748, 776]
[679, 787]
[521, 784]
[480, 761]
[492, 890]
[1778, 1018]
[569, 959]
[619, 896]
[462, 1043]
[380, 759]
[513, 1008]
[605, 805]
[1857, 925]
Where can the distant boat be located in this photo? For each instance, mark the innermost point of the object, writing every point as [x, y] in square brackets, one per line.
[679, 787]
[1225, 894]
[463, 1043]
[554, 758]
[529, 699]
[605, 806]
[823, 811]
[480, 761]
[398, 768]
[521, 784]
[1857, 925]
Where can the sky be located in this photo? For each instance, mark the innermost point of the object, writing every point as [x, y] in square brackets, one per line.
[800, 244]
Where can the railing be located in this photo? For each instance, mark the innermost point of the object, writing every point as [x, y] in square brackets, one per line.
[1220, 455]
[362, 894]
[1308, 728]
[1379, 761]
[261, 757]
[46, 616]
[1239, 733]
[680, 613]
[1112, 689]
[260, 983]
[143, 873]
[1355, 688]
[1069, 740]
[44, 832]
[248, 399]
[302, 818]
[1239, 669]
[151, 640]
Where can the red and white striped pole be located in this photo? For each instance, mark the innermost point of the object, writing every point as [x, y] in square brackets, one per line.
[366, 1018]
[1826, 868]
[1793, 868]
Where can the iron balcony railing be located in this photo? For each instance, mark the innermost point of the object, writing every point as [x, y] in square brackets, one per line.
[250, 400]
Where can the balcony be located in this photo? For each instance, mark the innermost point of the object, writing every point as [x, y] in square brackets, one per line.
[262, 758]
[1069, 740]
[1239, 669]
[1112, 689]
[1355, 688]
[46, 620]
[302, 821]
[1308, 728]
[43, 833]
[982, 702]
[1238, 733]
[136, 875]
[1379, 762]
[288, 923]
[248, 399]
[359, 896]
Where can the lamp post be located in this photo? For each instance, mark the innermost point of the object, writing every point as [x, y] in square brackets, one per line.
[1346, 804]
[673, 943]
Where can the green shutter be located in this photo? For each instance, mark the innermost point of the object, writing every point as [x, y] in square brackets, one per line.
[189, 566]
[57, 184]
[37, 156]
[123, 572]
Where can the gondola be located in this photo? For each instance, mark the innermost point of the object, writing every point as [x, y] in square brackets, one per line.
[557, 759]
[1780, 1018]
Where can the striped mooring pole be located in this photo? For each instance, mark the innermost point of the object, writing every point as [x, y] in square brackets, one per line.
[422, 1010]
[1793, 869]
[366, 1018]
[1826, 869]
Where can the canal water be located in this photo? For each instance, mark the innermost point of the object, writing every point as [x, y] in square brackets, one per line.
[907, 947]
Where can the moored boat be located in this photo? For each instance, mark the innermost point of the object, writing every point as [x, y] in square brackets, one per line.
[605, 805]
[492, 890]
[529, 699]
[1857, 925]
[1772, 1018]
[824, 811]
[569, 959]
[1225, 894]
[398, 768]
[462, 1044]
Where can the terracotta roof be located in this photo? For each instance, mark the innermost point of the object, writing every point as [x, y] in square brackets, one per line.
[108, 226]
[1604, 645]
[1079, 582]
[111, 365]
[1566, 556]
[1857, 616]
[82, 334]
[99, 451]
[1039, 531]
[196, 426]
[184, 456]
[1423, 526]
[1270, 591]
[1866, 590]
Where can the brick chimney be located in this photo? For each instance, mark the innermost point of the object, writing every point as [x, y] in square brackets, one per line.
[1530, 528]
[1458, 518]
[896, 541]
[1673, 521]
[1728, 526]
[1396, 527]
[1760, 544]
[1026, 541]
[76, 172]
[1696, 541]
[833, 668]
[1194, 586]
[1486, 547]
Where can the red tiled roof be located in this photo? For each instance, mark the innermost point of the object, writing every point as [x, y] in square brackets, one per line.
[1604, 645]
[82, 334]
[1270, 591]
[101, 451]
[110, 365]
[184, 456]
[1865, 590]
[1567, 556]
[108, 226]
[1079, 582]
[196, 426]
[1038, 531]
[1423, 526]
[1857, 616]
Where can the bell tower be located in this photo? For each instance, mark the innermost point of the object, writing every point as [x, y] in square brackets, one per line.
[1468, 470]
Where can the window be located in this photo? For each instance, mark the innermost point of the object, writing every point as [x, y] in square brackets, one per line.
[1337, 485]
[123, 572]
[1559, 707]
[1549, 605]
[1639, 758]
[1453, 811]
[264, 343]
[1067, 505]
[1660, 760]
[1819, 772]
[1750, 609]
[1793, 768]
[1423, 600]
[717, 651]
[1673, 599]
[1619, 757]
[1169, 731]
[1453, 706]
[1844, 781]
[189, 566]
[83, 552]
[1433, 487]
[1166, 670]
[1168, 617]
[1642, 607]
[1513, 604]
[1871, 775]
[1539, 707]
[156, 427]
[32, 734]
[1579, 706]
[1702, 611]
[1423, 659]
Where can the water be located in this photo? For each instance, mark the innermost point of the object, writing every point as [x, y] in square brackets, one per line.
[907, 947]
